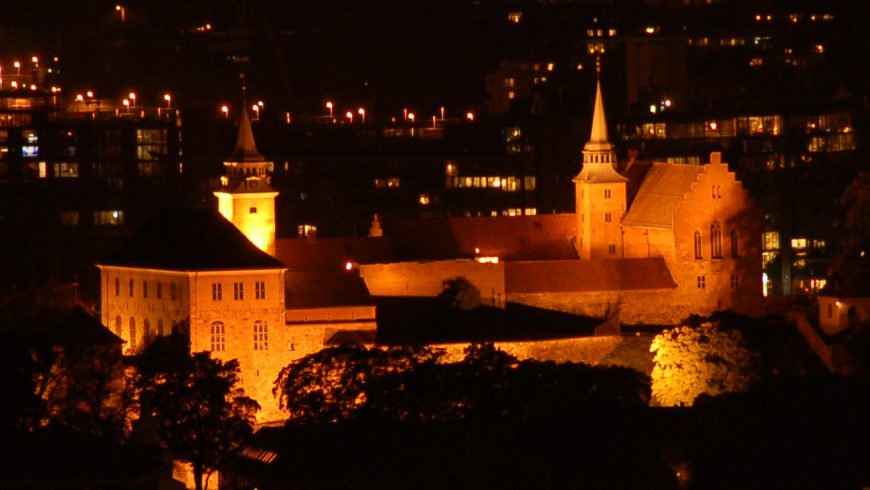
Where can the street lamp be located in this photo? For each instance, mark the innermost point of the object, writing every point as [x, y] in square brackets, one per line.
[123, 11]
[168, 99]
[126, 103]
[17, 66]
[362, 114]
[470, 116]
[411, 117]
[349, 116]
[329, 107]
[132, 97]
[226, 110]
[256, 109]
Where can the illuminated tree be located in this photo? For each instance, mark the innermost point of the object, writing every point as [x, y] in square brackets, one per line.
[693, 361]
[201, 414]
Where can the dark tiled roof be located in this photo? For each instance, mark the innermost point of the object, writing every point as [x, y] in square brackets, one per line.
[331, 253]
[60, 328]
[556, 276]
[190, 239]
[322, 288]
[541, 237]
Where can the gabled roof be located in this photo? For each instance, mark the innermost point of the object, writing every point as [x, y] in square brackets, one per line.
[663, 187]
[190, 239]
[540, 237]
[323, 288]
[61, 328]
[332, 252]
[564, 276]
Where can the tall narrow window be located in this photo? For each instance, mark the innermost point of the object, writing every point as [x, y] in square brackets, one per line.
[173, 291]
[217, 292]
[117, 286]
[702, 282]
[144, 289]
[159, 290]
[608, 193]
[261, 335]
[716, 240]
[238, 291]
[735, 281]
[260, 290]
[160, 331]
[146, 331]
[698, 254]
[218, 337]
[735, 247]
[607, 217]
[118, 326]
[132, 334]
[611, 249]
[131, 288]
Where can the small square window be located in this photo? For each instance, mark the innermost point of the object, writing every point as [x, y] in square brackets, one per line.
[253, 210]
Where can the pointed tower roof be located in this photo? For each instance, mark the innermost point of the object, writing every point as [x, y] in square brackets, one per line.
[246, 148]
[598, 154]
[598, 139]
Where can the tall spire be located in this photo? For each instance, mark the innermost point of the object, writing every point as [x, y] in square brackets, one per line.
[598, 153]
[598, 139]
[246, 148]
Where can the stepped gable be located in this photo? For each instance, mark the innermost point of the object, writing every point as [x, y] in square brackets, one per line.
[662, 189]
[324, 288]
[564, 276]
[190, 239]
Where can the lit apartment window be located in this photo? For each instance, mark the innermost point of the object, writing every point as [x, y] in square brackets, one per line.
[238, 291]
[698, 254]
[218, 337]
[69, 218]
[260, 290]
[261, 335]
[217, 292]
[117, 286]
[702, 282]
[65, 170]
[109, 218]
[509, 82]
[716, 240]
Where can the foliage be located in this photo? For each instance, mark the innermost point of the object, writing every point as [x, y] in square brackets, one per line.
[201, 414]
[403, 384]
[460, 294]
[20, 405]
[851, 268]
[330, 385]
[706, 359]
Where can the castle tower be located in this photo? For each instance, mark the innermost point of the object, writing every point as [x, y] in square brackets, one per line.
[600, 193]
[245, 196]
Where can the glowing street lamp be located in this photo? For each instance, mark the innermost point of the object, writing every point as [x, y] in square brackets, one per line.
[17, 66]
[123, 11]
[90, 94]
[329, 107]
[470, 116]
[405, 114]
[362, 114]
[35, 60]
[168, 99]
[80, 98]
[226, 111]
[126, 103]
[349, 116]
[411, 116]
[256, 109]
[132, 97]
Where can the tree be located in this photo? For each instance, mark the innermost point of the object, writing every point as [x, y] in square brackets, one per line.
[460, 294]
[707, 359]
[851, 268]
[201, 414]
[329, 386]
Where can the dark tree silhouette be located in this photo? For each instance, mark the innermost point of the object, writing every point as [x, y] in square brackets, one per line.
[201, 414]
[459, 293]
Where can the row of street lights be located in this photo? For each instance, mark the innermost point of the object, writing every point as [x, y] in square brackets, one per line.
[407, 115]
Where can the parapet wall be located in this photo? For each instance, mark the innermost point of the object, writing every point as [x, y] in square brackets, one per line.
[650, 307]
[425, 279]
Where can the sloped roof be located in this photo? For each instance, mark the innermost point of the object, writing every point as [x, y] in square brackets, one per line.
[663, 187]
[540, 237]
[598, 173]
[245, 149]
[190, 239]
[332, 252]
[563, 276]
[61, 328]
[322, 288]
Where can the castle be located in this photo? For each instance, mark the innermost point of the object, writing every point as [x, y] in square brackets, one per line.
[648, 246]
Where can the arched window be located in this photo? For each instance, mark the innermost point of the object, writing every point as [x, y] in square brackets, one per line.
[132, 334]
[716, 240]
[698, 254]
[160, 328]
[735, 244]
[146, 331]
[261, 335]
[218, 337]
[118, 326]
